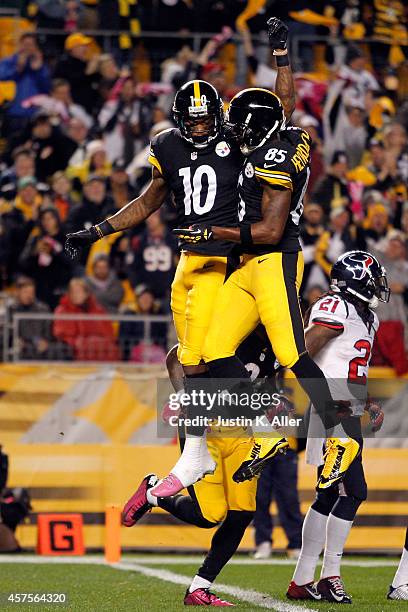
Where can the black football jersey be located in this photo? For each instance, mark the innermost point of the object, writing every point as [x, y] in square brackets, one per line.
[283, 163]
[203, 183]
[257, 355]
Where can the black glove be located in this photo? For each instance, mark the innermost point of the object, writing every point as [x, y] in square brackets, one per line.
[80, 240]
[277, 33]
[195, 233]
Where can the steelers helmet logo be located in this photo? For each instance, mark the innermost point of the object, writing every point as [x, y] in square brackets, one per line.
[222, 149]
[249, 170]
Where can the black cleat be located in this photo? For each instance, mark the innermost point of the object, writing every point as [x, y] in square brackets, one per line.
[332, 589]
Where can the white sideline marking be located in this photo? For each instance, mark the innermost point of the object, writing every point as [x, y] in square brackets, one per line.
[180, 560]
[262, 600]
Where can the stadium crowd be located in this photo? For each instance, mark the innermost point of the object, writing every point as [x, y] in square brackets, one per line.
[75, 141]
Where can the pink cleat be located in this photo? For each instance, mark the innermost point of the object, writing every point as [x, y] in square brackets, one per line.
[204, 597]
[171, 485]
[137, 506]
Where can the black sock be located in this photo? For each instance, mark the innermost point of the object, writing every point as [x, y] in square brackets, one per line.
[186, 509]
[406, 540]
[225, 543]
[314, 383]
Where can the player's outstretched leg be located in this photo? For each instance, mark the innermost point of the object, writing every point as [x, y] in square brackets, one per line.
[138, 504]
[399, 587]
[263, 450]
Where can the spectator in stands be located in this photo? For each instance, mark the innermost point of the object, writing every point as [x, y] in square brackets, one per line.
[339, 238]
[31, 75]
[59, 104]
[153, 258]
[34, 336]
[137, 344]
[125, 122]
[61, 194]
[354, 132]
[90, 340]
[52, 149]
[392, 333]
[77, 131]
[104, 284]
[377, 173]
[22, 167]
[109, 74]
[332, 188]
[18, 218]
[352, 80]
[376, 224]
[94, 208]
[45, 260]
[96, 162]
[311, 229]
[120, 189]
[80, 72]
[140, 169]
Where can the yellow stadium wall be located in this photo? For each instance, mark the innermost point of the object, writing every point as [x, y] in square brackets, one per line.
[85, 477]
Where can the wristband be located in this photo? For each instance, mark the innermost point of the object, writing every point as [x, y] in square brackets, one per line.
[246, 236]
[282, 60]
[103, 229]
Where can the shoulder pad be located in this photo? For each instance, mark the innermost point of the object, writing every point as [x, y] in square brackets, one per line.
[330, 308]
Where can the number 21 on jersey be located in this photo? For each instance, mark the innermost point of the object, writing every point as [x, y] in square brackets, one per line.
[193, 188]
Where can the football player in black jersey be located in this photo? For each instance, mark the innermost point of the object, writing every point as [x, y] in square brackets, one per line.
[265, 286]
[216, 500]
[200, 164]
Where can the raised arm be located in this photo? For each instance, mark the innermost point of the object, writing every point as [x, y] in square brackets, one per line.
[130, 215]
[285, 86]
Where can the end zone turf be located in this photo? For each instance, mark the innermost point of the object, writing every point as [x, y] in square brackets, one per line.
[156, 583]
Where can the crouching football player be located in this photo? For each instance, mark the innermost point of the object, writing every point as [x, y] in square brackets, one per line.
[340, 335]
[216, 500]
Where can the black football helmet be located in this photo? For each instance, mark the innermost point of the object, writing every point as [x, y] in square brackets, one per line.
[360, 274]
[254, 115]
[198, 112]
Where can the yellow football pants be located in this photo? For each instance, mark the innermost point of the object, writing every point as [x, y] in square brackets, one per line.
[217, 493]
[263, 289]
[196, 284]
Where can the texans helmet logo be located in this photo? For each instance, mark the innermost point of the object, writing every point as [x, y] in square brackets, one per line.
[358, 265]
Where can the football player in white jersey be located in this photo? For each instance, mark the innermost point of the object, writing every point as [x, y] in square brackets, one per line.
[340, 335]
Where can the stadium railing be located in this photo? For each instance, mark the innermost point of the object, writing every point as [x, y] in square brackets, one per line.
[128, 337]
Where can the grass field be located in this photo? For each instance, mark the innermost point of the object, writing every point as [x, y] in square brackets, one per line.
[153, 583]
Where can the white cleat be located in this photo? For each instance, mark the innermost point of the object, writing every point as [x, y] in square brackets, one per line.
[400, 592]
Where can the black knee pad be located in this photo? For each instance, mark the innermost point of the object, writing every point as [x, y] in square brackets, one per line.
[346, 507]
[239, 518]
[325, 500]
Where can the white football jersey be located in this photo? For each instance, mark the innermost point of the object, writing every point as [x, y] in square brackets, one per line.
[348, 355]
[344, 361]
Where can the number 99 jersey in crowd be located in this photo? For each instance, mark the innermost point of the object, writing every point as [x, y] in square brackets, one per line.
[199, 164]
[282, 163]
